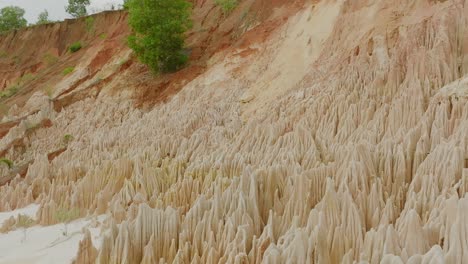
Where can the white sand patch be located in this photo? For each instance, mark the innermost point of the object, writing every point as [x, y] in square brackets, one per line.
[44, 244]
[29, 210]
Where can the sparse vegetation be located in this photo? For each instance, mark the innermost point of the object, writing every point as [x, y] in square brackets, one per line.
[75, 47]
[227, 5]
[9, 92]
[89, 21]
[13, 89]
[7, 162]
[50, 59]
[159, 28]
[68, 70]
[67, 139]
[43, 18]
[49, 91]
[17, 59]
[103, 36]
[3, 54]
[65, 216]
[24, 221]
[26, 78]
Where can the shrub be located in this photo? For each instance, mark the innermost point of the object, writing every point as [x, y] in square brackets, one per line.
[17, 59]
[7, 162]
[65, 216]
[43, 18]
[50, 59]
[9, 92]
[89, 21]
[158, 32]
[24, 221]
[227, 5]
[68, 70]
[67, 139]
[49, 91]
[75, 47]
[26, 78]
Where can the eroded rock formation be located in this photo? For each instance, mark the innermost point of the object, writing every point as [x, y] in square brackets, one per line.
[341, 136]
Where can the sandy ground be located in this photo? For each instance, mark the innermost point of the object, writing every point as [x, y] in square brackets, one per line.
[43, 244]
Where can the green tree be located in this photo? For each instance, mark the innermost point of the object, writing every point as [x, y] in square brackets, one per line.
[43, 18]
[159, 28]
[11, 17]
[77, 8]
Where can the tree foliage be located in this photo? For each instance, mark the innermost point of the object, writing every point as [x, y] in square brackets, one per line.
[159, 28]
[227, 5]
[43, 18]
[11, 17]
[77, 8]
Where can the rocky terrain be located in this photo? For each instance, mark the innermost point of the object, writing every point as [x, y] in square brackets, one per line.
[324, 131]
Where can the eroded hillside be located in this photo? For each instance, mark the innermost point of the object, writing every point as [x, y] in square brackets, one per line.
[331, 131]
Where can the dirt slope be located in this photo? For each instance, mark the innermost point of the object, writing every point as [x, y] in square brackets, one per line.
[331, 131]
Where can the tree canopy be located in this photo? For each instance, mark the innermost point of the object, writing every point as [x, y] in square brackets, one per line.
[159, 28]
[12, 17]
[77, 8]
[43, 18]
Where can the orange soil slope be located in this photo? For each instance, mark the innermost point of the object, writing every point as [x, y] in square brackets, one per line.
[36, 57]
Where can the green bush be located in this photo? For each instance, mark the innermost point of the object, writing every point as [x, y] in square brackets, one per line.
[68, 70]
[67, 139]
[26, 78]
[227, 5]
[9, 92]
[159, 32]
[75, 47]
[89, 21]
[7, 162]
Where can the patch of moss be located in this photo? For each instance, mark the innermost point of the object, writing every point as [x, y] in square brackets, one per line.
[7, 162]
[68, 70]
[75, 47]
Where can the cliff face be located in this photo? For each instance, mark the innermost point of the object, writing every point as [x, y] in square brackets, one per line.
[36, 48]
[37, 59]
[311, 132]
